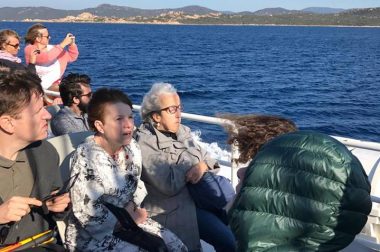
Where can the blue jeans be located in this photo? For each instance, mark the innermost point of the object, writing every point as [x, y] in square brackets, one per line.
[213, 231]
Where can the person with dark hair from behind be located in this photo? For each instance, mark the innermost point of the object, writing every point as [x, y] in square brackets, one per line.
[108, 165]
[303, 191]
[75, 90]
[28, 165]
[253, 131]
[9, 47]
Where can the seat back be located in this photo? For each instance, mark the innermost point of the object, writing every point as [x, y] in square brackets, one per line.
[53, 109]
[65, 146]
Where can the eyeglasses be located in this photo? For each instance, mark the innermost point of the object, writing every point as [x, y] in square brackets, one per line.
[173, 109]
[47, 36]
[89, 95]
[15, 46]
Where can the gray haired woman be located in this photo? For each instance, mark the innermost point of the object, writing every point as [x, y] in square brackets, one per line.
[171, 159]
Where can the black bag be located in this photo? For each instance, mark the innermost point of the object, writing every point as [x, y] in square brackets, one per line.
[129, 231]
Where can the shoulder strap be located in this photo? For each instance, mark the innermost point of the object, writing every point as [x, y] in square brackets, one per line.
[122, 216]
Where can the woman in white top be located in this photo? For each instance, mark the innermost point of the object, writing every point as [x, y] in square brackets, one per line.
[51, 60]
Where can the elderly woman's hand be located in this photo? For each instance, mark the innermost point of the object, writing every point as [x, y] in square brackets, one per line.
[196, 172]
[139, 215]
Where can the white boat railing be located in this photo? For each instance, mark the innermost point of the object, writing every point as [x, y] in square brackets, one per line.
[353, 143]
[52, 93]
[349, 142]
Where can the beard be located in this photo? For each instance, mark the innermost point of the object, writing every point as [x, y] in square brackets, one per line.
[83, 107]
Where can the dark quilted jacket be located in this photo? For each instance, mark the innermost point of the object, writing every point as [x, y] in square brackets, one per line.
[304, 191]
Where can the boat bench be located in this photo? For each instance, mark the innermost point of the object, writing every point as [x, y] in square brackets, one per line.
[65, 146]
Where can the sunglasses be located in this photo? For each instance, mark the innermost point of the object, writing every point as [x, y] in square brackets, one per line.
[89, 95]
[46, 36]
[15, 46]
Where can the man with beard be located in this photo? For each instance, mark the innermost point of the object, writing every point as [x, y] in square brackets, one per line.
[76, 93]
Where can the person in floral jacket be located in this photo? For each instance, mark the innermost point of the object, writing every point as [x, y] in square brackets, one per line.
[108, 165]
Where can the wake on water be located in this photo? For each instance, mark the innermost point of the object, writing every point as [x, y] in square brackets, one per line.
[213, 148]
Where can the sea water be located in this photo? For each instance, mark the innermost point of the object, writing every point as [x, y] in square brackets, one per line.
[323, 78]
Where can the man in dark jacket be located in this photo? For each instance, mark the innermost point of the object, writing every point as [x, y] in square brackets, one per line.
[28, 166]
[303, 191]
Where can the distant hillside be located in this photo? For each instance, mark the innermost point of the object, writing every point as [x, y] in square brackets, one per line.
[104, 10]
[274, 11]
[355, 17]
[323, 10]
[21, 13]
[369, 12]
[197, 15]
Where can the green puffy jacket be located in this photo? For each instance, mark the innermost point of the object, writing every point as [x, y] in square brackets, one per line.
[303, 191]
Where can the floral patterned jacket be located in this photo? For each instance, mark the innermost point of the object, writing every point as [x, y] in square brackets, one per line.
[102, 178]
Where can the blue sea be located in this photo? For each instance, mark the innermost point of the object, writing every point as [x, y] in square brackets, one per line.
[323, 78]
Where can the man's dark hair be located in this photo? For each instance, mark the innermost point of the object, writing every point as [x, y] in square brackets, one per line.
[70, 87]
[100, 99]
[16, 90]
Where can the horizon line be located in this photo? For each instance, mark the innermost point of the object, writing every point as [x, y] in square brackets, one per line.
[184, 7]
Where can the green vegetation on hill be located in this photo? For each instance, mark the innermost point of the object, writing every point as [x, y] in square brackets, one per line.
[344, 19]
[196, 15]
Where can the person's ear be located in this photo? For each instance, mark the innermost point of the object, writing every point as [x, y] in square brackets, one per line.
[99, 126]
[156, 117]
[76, 100]
[6, 124]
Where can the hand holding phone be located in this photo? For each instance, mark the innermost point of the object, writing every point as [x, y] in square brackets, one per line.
[71, 37]
[58, 203]
[64, 189]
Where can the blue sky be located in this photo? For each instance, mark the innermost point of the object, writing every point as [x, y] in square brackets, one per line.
[221, 5]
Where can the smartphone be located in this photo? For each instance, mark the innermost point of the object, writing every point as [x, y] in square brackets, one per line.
[64, 189]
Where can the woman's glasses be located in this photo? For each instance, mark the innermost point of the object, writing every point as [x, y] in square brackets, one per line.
[15, 46]
[173, 109]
